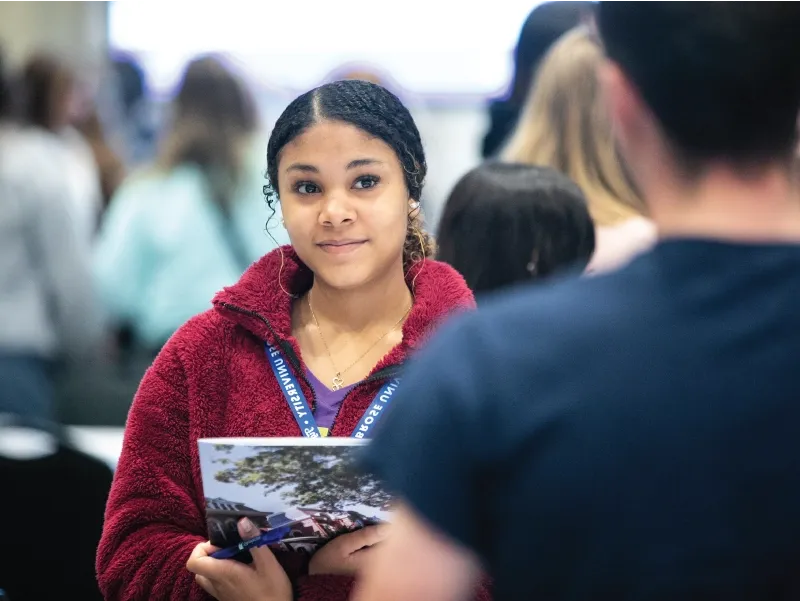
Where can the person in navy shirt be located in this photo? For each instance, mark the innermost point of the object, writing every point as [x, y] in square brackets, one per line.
[630, 436]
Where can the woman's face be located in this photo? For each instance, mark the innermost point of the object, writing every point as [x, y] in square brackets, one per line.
[344, 202]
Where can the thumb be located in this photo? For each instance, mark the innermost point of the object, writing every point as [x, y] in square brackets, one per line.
[263, 559]
[247, 529]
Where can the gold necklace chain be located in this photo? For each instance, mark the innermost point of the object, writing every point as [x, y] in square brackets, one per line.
[337, 381]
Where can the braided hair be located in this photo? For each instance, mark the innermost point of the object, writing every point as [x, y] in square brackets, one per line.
[374, 110]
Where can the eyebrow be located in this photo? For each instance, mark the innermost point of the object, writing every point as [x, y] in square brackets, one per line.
[363, 163]
[302, 167]
[351, 165]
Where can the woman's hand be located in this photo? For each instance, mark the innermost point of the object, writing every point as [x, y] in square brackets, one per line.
[230, 580]
[345, 554]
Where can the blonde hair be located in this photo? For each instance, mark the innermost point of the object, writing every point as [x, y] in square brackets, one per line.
[564, 125]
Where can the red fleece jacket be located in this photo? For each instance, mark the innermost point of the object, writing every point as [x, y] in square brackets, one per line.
[212, 379]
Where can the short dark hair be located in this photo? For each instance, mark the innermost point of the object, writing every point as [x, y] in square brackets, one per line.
[44, 83]
[377, 112]
[500, 214]
[722, 78]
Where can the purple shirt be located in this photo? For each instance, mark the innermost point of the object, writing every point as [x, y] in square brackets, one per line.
[328, 402]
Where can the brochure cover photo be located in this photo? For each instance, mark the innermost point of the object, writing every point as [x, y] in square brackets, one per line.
[309, 487]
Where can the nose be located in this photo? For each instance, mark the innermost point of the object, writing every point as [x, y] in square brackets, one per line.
[336, 210]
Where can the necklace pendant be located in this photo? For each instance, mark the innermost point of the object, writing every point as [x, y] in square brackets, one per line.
[337, 382]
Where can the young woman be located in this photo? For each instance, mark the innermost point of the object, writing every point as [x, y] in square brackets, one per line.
[565, 125]
[510, 223]
[346, 304]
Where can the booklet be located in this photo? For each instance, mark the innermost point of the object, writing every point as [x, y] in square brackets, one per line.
[311, 488]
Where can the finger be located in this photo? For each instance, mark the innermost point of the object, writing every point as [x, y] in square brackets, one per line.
[366, 537]
[203, 550]
[265, 562]
[198, 553]
[200, 562]
[206, 585]
[247, 529]
[263, 559]
[362, 558]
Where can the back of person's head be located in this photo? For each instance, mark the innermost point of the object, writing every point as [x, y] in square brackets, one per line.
[507, 223]
[543, 26]
[213, 114]
[719, 80]
[46, 87]
[565, 125]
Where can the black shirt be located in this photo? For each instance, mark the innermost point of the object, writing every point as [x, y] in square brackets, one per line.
[633, 436]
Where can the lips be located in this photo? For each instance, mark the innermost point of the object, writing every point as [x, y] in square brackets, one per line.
[340, 247]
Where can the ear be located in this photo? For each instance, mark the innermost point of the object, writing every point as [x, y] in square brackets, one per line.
[414, 208]
[533, 265]
[626, 108]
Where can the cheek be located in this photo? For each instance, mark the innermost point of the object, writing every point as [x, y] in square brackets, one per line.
[388, 227]
[296, 224]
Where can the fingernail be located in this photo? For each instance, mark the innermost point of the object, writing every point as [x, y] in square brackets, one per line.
[247, 527]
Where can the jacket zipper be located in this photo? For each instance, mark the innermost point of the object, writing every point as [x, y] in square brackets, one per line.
[387, 372]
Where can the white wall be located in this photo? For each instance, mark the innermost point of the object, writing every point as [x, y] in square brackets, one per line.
[452, 139]
[75, 30]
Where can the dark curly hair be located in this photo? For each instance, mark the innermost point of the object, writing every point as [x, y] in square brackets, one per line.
[374, 110]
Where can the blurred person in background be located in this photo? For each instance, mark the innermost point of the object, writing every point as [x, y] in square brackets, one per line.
[642, 423]
[507, 224]
[179, 231]
[565, 125]
[544, 25]
[48, 100]
[111, 170]
[132, 120]
[345, 306]
[49, 316]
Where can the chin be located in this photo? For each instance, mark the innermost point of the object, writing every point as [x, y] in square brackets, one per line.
[345, 278]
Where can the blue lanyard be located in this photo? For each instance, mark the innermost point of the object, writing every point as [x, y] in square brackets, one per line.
[301, 410]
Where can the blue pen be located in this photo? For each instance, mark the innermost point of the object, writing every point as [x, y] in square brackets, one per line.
[265, 538]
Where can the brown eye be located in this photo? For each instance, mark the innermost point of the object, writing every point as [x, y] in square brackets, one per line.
[365, 182]
[306, 188]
